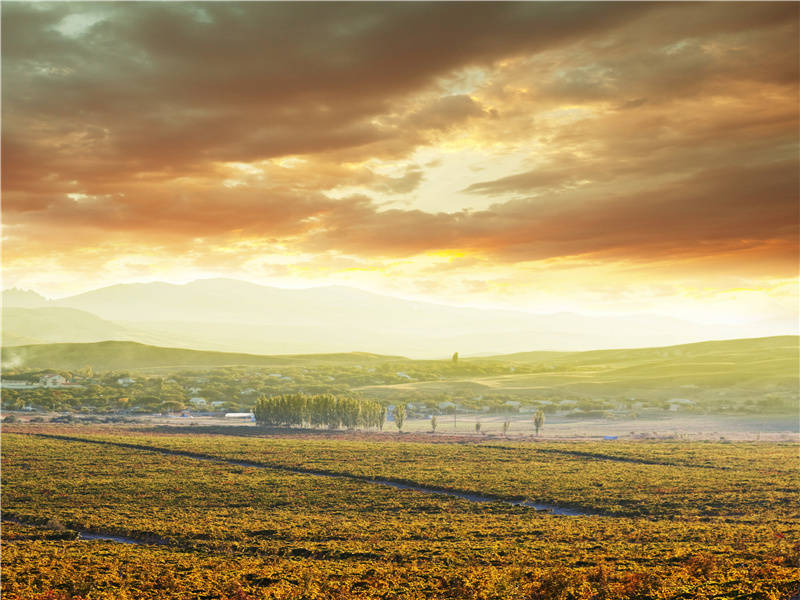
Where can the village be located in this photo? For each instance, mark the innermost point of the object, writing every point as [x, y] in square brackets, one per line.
[232, 392]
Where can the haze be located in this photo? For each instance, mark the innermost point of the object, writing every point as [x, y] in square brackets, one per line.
[230, 315]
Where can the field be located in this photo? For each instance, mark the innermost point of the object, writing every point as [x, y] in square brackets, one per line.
[286, 516]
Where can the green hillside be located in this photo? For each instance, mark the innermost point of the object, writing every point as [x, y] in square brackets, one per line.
[746, 375]
[774, 359]
[730, 350]
[114, 355]
[746, 368]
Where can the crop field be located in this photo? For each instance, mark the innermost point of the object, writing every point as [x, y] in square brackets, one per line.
[225, 517]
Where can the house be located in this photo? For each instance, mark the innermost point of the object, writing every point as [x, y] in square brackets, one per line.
[197, 401]
[676, 404]
[124, 381]
[52, 380]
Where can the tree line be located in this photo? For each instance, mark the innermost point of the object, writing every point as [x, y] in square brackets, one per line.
[319, 410]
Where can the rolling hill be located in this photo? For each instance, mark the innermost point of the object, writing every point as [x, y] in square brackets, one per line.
[759, 363]
[120, 355]
[739, 352]
[729, 368]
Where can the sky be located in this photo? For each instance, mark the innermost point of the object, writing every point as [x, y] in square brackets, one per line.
[599, 158]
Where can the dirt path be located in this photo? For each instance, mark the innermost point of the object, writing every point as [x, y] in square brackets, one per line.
[611, 457]
[85, 535]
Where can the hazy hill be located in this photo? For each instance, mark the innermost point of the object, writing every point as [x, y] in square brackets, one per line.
[54, 324]
[23, 299]
[231, 315]
[105, 356]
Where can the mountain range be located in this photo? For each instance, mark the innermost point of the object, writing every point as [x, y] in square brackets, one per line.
[237, 316]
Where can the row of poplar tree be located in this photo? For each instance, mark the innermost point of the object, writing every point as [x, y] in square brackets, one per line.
[319, 410]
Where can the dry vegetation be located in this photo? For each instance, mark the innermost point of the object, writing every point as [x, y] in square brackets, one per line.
[707, 520]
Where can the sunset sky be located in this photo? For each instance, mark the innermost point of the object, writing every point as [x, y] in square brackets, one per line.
[598, 158]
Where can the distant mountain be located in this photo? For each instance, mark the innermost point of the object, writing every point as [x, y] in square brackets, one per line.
[232, 315]
[54, 324]
[23, 298]
[109, 356]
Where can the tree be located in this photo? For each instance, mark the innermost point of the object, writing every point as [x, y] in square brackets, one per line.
[506, 425]
[477, 427]
[455, 357]
[538, 420]
[148, 402]
[171, 406]
[400, 416]
[382, 417]
[291, 410]
[433, 423]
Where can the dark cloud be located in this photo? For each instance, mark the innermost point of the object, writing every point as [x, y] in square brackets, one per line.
[173, 86]
[654, 130]
[720, 210]
[445, 112]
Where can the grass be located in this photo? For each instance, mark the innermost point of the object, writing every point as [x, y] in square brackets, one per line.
[734, 368]
[121, 355]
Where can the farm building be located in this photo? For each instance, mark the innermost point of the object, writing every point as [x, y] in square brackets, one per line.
[52, 380]
[248, 416]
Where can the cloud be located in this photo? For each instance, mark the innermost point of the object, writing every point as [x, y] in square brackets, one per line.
[167, 87]
[400, 185]
[717, 211]
[637, 132]
[445, 112]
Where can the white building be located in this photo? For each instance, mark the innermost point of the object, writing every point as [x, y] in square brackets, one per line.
[52, 380]
[19, 385]
[248, 416]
